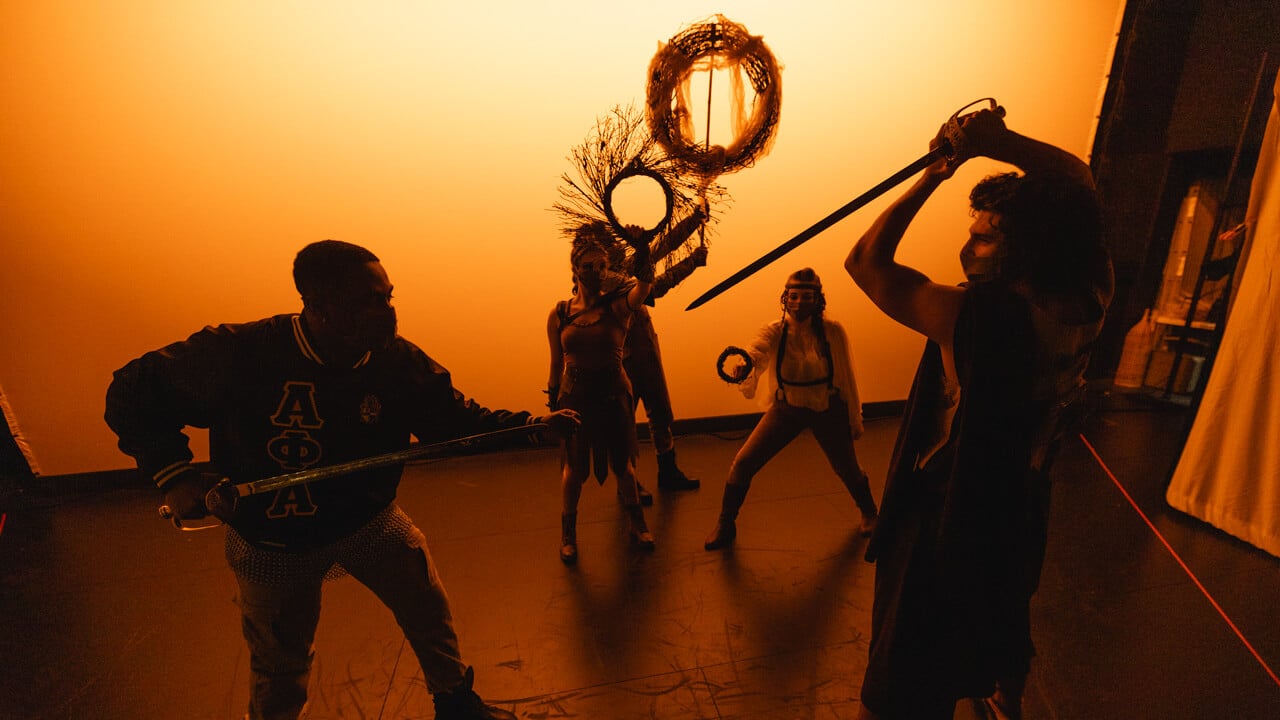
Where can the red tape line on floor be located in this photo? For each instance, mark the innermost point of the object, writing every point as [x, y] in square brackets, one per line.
[1176, 557]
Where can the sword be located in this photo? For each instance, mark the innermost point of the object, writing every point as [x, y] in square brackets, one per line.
[221, 500]
[952, 141]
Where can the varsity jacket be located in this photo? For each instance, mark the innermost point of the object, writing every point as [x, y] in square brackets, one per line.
[272, 406]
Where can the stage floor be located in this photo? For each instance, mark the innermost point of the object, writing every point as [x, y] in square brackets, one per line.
[109, 612]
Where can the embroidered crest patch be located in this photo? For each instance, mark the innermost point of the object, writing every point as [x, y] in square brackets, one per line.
[370, 409]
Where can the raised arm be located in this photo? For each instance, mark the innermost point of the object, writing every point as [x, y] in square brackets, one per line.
[641, 267]
[901, 292]
[678, 272]
[986, 135]
[907, 295]
[640, 291]
[675, 236]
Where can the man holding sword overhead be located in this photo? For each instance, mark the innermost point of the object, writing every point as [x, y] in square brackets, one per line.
[963, 519]
[329, 385]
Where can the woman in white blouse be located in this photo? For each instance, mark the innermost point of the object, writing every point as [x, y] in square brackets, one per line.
[801, 369]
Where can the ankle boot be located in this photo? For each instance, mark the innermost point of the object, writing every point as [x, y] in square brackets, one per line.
[646, 497]
[569, 538]
[462, 703]
[860, 489]
[670, 477]
[726, 529]
[640, 534]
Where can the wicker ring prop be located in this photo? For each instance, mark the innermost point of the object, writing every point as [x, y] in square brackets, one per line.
[724, 44]
[729, 352]
[638, 170]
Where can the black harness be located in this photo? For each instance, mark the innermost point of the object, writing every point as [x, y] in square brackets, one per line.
[782, 351]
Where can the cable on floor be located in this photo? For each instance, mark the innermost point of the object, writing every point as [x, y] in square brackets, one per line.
[1178, 558]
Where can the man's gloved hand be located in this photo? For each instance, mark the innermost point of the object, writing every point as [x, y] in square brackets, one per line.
[184, 494]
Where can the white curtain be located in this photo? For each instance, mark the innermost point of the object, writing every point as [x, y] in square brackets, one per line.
[1229, 471]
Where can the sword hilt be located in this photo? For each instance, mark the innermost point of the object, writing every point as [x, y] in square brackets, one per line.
[955, 144]
[167, 513]
[221, 500]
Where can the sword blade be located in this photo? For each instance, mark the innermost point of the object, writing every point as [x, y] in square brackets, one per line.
[417, 452]
[925, 161]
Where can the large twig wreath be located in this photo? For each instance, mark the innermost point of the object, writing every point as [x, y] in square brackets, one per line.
[658, 143]
[718, 44]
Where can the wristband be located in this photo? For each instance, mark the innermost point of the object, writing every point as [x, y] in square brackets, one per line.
[644, 272]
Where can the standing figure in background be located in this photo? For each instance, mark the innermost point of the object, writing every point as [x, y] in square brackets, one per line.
[331, 384]
[642, 358]
[802, 369]
[962, 531]
[586, 334]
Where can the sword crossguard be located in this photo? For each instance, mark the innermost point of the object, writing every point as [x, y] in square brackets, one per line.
[221, 500]
[167, 513]
[953, 132]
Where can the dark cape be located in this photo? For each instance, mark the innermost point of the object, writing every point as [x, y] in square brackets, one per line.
[961, 540]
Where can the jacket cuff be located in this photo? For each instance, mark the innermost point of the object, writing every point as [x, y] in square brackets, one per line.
[166, 474]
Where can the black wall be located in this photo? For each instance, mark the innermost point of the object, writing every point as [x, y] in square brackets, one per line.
[1182, 94]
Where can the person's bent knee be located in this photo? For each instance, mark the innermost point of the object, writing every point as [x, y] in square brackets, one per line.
[741, 472]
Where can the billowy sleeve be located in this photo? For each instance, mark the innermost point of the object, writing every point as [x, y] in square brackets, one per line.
[763, 350]
[845, 380]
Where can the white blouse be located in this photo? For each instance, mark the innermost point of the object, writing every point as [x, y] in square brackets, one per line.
[803, 361]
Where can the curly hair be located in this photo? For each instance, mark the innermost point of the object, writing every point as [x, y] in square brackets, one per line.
[1053, 229]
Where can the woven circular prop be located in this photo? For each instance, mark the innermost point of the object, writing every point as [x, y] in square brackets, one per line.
[633, 171]
[621, 147]
[716, 44]
[729, 352]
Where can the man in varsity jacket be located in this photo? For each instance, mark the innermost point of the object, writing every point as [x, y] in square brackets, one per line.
[332, 384]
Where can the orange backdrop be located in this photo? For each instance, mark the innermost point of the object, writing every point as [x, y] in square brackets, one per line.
[163, 161]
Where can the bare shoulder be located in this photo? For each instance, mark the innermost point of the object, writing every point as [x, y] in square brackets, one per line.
[928, 308]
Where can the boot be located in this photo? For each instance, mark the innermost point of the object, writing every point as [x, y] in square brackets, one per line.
[462, 703]
[646, 497]
[723, 534]
[640, 534]
[569, 538]
[868, 526]
[861, 491]
[671, 477]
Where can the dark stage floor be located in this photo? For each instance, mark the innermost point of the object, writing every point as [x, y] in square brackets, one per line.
[108, 612]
